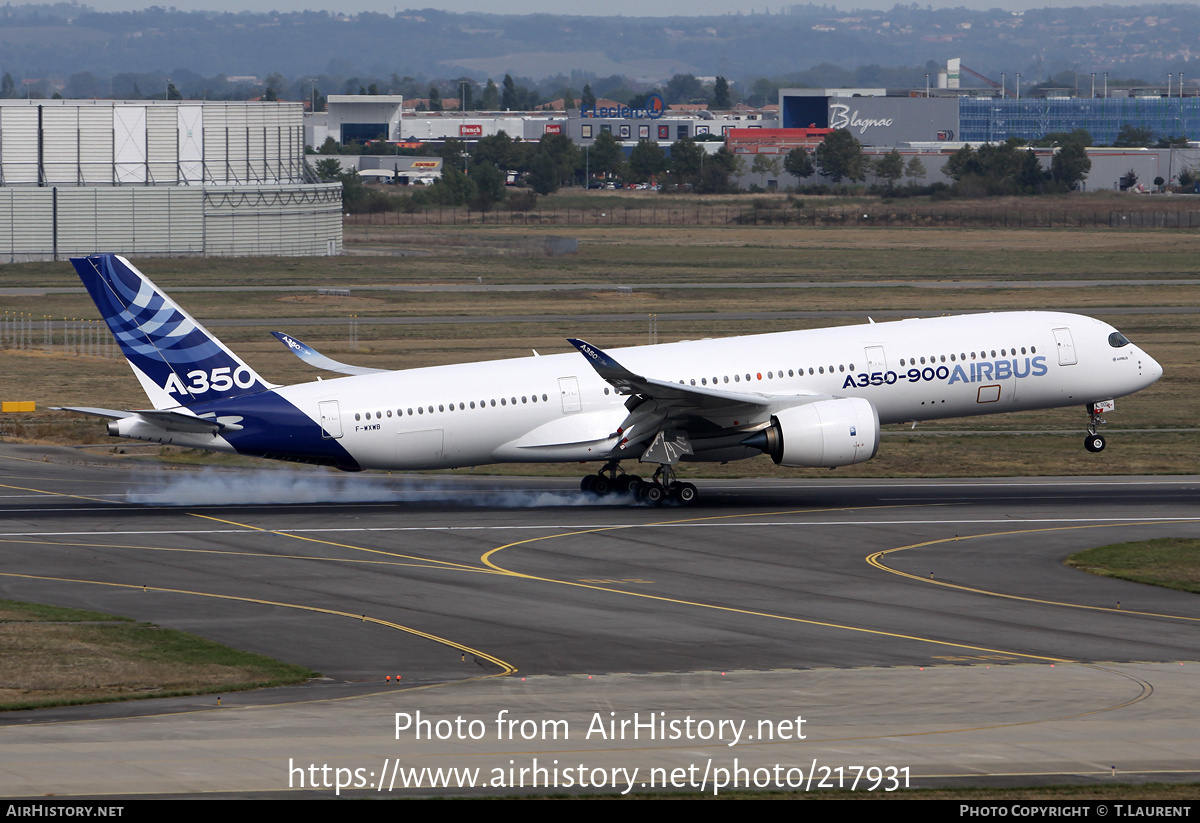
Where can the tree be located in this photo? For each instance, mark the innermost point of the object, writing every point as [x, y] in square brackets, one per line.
[915, 169]
[568, 100]
[489, 186]
[686, 162]
[890, 168]
[1069, 166]
[496, 149]
[543, 177]
[683, 88]
[173, 93]
[435, 99]
[563, 154]
[491, 97]
[798, 163]
[716, 176]
[1131, 137]
[605, 155]
[508, 100]
[839, 156]
[8, 88]
[329, 169]
[646, 161]
[768, 165]
[721, 94]
[588, 100]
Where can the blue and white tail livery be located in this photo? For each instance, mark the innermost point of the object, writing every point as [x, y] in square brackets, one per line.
[176, 360]
[806, 398]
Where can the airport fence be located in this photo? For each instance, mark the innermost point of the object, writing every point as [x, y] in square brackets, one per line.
[734, 214]
[23, 331]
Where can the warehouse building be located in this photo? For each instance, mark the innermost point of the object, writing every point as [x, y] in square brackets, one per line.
[154, 177]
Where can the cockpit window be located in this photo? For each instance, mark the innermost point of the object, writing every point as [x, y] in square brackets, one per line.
[1117, 340]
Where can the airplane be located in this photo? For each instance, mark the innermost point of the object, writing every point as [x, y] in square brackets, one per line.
[806, 398]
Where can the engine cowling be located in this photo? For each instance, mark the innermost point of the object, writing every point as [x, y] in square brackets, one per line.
[827, 433]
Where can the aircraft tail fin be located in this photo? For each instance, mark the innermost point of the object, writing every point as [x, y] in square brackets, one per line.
[177, 361]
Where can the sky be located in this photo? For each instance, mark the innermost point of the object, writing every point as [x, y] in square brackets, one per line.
[611, 8]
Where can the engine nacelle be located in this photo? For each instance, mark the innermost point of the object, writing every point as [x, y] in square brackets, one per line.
[825, 433]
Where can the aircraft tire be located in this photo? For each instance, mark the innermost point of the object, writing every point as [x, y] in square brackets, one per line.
[601, 485]
[1094, 443]
[653, 494]
[585, 485]
[685, 493]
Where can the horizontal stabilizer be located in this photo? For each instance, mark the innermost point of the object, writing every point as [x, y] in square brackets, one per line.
[317, 360]
[167, 420]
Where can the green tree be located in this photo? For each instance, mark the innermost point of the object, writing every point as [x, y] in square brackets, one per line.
[768, 165]
[605, 156]
[489, 186]
[497, 149]
[8, 88]
[798, 163]
[1069, 166]
[683, 88]
[1131, 137]
[453, 188]
[915, 170]
[491, 97]
[889, 168]
[646, 161]
[329, 169]
[840, 156]
[716, 175]
[686, 162]
[543, 176]
[508, 98]
[588, 100]
[721, 95]
[565, 157]
[568, 100]
[173, 93]
[435, 99]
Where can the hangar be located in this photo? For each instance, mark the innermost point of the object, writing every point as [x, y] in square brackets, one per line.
[158, 177]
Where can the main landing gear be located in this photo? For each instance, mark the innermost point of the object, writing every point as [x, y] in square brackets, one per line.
[1094, 442]
[660, 488]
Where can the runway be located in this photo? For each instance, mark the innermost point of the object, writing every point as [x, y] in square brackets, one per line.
[919, 625]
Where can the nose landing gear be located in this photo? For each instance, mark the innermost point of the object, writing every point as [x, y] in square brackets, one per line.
[1095, 442]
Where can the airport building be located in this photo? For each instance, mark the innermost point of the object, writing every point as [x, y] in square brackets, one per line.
[882, 117]
[155, 177]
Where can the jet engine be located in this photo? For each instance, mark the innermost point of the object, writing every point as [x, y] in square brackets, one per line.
[829, 433]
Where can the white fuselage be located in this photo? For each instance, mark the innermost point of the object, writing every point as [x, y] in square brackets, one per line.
[557, 408]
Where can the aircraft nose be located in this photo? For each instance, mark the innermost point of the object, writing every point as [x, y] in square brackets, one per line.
[1151, 369]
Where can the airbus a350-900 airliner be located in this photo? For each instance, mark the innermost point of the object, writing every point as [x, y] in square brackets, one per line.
[806, 398]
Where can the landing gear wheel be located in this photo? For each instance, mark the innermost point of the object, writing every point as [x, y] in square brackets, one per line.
[685, 493]
[1094, 442]
[601, 485]
[632, 485]
[585, 485]
[653, 494]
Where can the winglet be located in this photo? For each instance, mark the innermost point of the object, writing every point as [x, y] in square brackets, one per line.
[317, 360]
[625, 381]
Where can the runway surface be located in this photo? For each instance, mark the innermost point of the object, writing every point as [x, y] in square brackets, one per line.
[919, 625]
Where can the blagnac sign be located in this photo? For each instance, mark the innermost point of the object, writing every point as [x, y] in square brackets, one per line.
[654, 109]
[840, 117]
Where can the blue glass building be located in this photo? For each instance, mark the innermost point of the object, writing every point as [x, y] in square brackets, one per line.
[996, 118]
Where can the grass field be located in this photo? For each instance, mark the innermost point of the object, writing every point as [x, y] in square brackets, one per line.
[56, 657]
[945, 270]
[1171, 562]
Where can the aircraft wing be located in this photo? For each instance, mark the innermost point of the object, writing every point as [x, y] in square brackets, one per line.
[698, 398]
[317, 360]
